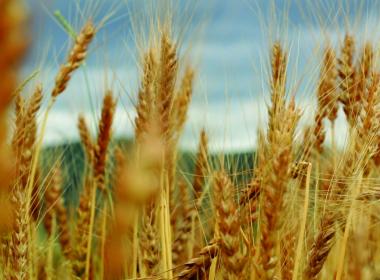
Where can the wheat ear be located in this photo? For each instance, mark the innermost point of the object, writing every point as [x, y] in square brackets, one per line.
[183, 99]
[76, 56]
[145, 97]
[347, 74]
[233, 260]
[86, 139]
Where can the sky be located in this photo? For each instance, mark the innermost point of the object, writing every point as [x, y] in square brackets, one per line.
[226, 41]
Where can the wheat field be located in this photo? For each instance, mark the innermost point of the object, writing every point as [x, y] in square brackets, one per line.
[306, 208]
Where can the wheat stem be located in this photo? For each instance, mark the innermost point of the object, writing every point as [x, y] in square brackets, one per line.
[301, 235]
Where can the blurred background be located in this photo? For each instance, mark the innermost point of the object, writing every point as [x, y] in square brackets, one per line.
[226, 41]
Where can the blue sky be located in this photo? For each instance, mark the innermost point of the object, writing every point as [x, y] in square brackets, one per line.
[229, 48]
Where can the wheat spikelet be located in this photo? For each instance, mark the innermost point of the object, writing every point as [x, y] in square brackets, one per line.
[76, 57]
[183, 99]
[168, 66]
[25, 132]
[327, 103]
[29, 127]
[18, 134]
[82, 231]
[250, 201]
[20, 238]
[201, 165]
[145, 97]
[34, 104]
[278, 80]
[86, 140]
[149, 248]
[369, 120]
[183, 230]
[364, 70]
[329, 84]
[347, 75]
[104, 137]
[7, 255]
[322, 245]
[233, 260]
